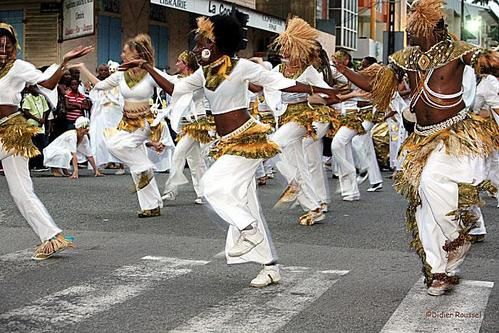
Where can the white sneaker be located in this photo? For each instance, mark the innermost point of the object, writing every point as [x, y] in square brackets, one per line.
[310, 217]
[267, 276]
[247, 241]
[199, 201]
[170, 196]
[375, 188]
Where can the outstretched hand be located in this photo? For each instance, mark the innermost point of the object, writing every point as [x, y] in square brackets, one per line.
[131, 64]
[78, 52]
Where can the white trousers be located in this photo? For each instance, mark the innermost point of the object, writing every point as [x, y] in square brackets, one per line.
[186, 149]
[367, 156]
[21, 188]
[313, 153]
[341, 147]
[439, 196]
[130, 148]
[230, 188]
[292, 163]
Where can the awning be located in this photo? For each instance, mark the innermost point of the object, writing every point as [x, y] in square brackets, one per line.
[209, 8]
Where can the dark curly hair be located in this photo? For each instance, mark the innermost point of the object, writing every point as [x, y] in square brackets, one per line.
[228, 31]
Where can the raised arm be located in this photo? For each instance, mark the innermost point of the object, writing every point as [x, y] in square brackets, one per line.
[76, 53]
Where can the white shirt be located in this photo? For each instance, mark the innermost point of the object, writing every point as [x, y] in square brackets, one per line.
[487, 94]
[142, 91]
[232, 94]
[68, 141]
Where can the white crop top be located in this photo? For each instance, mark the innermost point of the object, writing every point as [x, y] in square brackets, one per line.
[18, 77]
[142, 91]
[232, 93]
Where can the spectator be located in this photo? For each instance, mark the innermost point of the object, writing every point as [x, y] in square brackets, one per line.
[35, 108]
[75, 104]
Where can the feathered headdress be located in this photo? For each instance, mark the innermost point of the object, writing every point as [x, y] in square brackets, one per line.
[205, 28]
[298, 40]
[424, 16]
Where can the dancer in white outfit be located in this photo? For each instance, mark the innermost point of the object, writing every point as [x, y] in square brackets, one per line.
[298, 118]
[229, 184]
[16, 146]
[194, 133]
[64, 149]
[107, 111]
[136, 131]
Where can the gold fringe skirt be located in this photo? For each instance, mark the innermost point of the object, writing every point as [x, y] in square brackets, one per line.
[302, 114]
[249, 141]
[474, 136]
[15, 136]
[137, 121]
[198, 130]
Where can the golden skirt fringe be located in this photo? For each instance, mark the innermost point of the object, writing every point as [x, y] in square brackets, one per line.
[51, 246]
[15, 136]
[473, 136]
[251, 143]
[132, 124]
[302, 114]
[381, 141]
[198, 130]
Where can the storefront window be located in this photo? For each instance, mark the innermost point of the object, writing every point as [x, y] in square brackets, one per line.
[159, 36]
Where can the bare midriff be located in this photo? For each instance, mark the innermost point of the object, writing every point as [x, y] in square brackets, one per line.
[230, 121]
[7, 110]
[445, 80]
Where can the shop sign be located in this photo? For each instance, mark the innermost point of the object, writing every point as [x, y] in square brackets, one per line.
[78, 18]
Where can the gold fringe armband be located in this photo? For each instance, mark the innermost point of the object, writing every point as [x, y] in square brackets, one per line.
[384, 85]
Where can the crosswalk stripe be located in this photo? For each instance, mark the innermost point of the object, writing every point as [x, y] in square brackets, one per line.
[78, 303]
[461, 311]
[263, 310]
[16, 262]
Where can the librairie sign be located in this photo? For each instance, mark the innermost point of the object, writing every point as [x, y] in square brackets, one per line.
[210, 8]
[78, 18]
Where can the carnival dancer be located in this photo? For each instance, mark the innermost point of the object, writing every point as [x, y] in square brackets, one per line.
[357, 119]
[195, 129]
[107, 111]
[16, 146]
[298, 118]
[135, 128]
[444, 159]
[63, 150]
[229, 184]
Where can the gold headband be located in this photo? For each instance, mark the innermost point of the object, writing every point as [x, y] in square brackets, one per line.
[205, 28]
[11, 31]
[184, 57]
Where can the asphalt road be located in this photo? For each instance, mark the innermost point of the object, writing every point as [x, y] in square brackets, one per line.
[354, 272]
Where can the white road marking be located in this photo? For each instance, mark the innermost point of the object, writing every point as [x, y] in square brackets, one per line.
[263, 310]
[78, 303]
[16, 262]
[461, 311]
